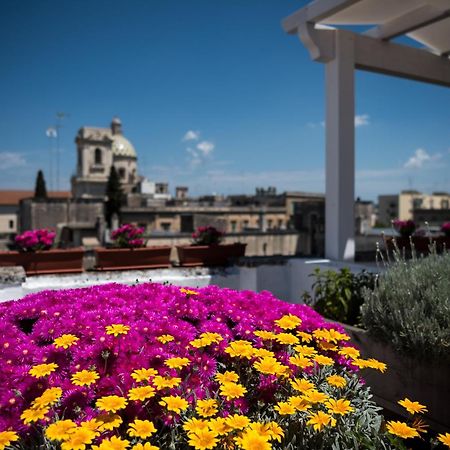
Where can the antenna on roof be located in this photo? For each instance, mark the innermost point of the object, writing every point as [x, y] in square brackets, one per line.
[58, 126]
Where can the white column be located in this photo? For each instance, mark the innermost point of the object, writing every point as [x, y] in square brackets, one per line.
[340, 151]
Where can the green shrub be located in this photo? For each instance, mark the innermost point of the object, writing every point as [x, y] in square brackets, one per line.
[410, 307]
[339, 295]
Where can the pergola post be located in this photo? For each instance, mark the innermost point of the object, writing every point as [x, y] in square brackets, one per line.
[340, 150]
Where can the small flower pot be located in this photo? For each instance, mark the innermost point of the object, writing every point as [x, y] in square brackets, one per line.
[209, 255]
[45, 261]
[132, 258]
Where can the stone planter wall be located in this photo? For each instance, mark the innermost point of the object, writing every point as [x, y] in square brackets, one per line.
[420, 381]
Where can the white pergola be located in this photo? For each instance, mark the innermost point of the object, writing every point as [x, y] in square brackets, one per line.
[317, 25]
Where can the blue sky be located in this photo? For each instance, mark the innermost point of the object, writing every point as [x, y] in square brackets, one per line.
[225, 71]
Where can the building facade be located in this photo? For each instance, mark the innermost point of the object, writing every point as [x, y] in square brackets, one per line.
[98, 149]
[403, 205]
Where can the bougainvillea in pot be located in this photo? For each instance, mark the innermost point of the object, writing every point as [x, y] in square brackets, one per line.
[128, 236]
[153, 366]
[35, 240]
[404, 227]
[207, 235]
[445, 228]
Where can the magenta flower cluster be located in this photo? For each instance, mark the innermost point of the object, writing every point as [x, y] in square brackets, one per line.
[33, 240]
[404, 227]
[445, 228]
[128, 236]
[207, 235]
[29, 327]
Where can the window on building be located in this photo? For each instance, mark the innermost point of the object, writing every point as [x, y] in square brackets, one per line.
[11, 224]
[233, 224]
[98, 156]
[165, 226]
[444, 204]
[280, 223]
[245, 223]
[269, 223]
[122, 173]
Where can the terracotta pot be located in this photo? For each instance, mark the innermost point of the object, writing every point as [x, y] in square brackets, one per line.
[422, 381]
[132, 258]
[45, 261]
[421, 244]
[209, 255]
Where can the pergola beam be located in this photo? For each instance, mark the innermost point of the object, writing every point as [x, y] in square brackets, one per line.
[401, 61]
[315, 12]
[411, 21]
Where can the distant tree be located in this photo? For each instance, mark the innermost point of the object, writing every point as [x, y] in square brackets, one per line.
[114, 195]
[40, 190]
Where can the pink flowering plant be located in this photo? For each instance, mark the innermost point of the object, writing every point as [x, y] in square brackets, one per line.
[207, 235]
[128, 236]
[445, 228]
[404, 227]
[154, 366]
[34, 240]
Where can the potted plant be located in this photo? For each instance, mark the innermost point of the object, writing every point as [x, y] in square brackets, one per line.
[418, 240]
[130, 252]
[207, 250]
[36, 255]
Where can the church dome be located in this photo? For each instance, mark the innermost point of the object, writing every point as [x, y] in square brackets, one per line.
[122, 147]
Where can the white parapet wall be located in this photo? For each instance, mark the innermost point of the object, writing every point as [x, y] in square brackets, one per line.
[286, 278]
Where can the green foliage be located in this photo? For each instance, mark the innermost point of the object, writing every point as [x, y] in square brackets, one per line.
[339, 295]
[114, 195]
[40, 190]
[410, 307]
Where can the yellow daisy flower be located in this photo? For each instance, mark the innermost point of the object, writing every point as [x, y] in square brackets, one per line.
[288, 322]
[320, 420]
[207, 407]
[60, 430]
[165, 338]
[252, 440]
[203, 439]
[114, 443]
[143, 374]
[117, 328]
[337, 381]
[174, 403]
[111, 403]
[141, 429]
[323, 360]
[412, 407]
[33, 414]
[189, 291]
[401, 429]
[79, 439]
[104, 422]
[232, 390]
[41, 370]
[194, 424]
[227, 377]
[6, 437]
[286, 339]
[165, 382]
[444, 438]
[341, 406]
[65, 341]
[141, 393]
[177, 363]
[146, 446]
[265, 335]
[85, 377]
[237, 421]
[284, 408]
[48, 398]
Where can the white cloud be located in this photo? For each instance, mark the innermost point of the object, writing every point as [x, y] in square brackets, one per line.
[205, 147]
[361, 120]
[191, 135]
[8, 160]
[419, 158]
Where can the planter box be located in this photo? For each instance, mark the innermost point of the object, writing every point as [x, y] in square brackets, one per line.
[209, 255]
[421, 244]
[418, 380]
[46, 261]
[132, 258]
